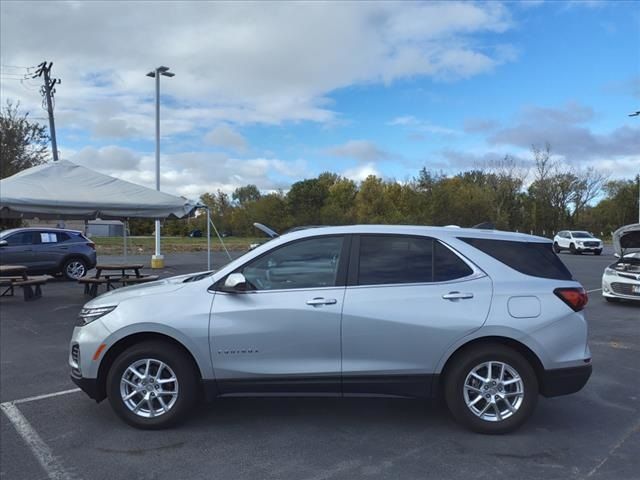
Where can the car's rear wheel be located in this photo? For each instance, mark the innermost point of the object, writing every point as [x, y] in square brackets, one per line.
[74, 268]
[152, 385]
[556, 247]
[491, 389]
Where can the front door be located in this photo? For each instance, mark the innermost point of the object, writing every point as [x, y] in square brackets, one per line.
[19, 249]
[283, 334]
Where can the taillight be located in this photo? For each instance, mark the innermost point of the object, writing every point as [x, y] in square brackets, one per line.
[92, 245]
[575, 297]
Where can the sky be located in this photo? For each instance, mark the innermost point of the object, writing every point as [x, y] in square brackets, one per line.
[272, 93]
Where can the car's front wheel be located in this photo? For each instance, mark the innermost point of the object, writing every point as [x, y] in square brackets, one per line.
[491, 389]
[597, 252]
[152, 385]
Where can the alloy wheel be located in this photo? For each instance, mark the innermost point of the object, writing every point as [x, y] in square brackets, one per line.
[493, 391]
[75, 269]
[149, 388]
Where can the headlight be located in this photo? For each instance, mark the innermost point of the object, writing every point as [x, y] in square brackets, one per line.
[610, 271]
[88, 315]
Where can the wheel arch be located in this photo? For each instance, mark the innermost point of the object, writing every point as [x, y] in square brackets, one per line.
[128, 341]
[519, 347]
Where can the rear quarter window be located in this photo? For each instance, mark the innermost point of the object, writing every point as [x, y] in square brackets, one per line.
[531, 258]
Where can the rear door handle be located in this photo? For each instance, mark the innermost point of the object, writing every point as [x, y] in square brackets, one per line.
[321, 301]
[453, 296]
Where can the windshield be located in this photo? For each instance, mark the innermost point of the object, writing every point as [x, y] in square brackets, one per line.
[581, 235]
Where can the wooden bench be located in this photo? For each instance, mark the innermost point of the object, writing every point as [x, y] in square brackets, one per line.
[27, 286]
[140, 279]
[91, 284]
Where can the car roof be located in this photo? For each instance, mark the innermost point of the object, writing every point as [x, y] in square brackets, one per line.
[37, 229]
[439, 232]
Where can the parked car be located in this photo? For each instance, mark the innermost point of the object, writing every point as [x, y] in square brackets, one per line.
[196, 233]
[621, 280]
[577, 241]
[488, 319]
[48, 250]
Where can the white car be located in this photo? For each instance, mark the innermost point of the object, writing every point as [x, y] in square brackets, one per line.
[577, 241]
[621, 280]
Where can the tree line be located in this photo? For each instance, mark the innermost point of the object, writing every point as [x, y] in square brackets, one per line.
[543, 197]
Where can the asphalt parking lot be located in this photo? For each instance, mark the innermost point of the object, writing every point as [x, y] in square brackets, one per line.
[594, 434]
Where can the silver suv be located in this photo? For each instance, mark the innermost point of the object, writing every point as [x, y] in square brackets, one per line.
[487, 319]
[48, 250]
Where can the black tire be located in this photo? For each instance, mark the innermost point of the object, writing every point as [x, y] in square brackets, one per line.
[74, 268]
[465, 362]
[573, 250]
[556, 247]
[597, 252]
[177, 361]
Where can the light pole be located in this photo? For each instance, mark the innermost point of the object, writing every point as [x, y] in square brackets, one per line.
[157, 260]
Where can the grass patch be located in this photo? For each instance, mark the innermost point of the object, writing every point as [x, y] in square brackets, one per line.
[115, 245]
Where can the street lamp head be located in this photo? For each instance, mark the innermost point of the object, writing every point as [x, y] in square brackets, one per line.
[168, 74]
[162, 69]
[151, 74]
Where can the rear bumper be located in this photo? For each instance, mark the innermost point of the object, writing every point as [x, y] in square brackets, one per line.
[90, 387]
[563, 381]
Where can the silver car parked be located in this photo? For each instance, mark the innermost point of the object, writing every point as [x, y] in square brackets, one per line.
[487, 319]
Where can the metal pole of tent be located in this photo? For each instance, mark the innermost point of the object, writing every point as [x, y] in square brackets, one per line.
[220, 238]
[208, 240]
[125, 225]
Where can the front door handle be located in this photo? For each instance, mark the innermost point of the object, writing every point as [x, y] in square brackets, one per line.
[321, 301]
[453, 296]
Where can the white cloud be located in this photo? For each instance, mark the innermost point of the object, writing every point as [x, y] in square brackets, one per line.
[237, 62]
[190, 174]
[421, 126]
[226, 137]
[362, 150]
[361, 172]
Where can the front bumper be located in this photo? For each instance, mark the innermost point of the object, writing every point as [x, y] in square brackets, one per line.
[563, 381]
[90, 387]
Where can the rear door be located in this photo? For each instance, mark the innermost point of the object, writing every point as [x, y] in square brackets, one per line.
[407, 300]
[49, 249]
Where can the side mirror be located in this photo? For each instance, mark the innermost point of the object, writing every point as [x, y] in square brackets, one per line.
[235, 283]
[3, 243]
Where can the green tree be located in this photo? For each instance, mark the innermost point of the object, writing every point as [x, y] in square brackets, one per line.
[23, 143]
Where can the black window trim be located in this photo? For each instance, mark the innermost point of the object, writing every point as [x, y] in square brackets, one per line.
[354, 262]
[341, 275]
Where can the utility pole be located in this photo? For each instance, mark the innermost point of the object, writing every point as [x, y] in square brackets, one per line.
[157, 260]
[48, 90]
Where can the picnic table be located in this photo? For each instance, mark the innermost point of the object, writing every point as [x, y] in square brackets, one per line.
[124, 274]
[12, 276]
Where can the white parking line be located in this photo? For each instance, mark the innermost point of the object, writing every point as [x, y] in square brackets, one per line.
[51, 465]
[594, 290]
[48, 395]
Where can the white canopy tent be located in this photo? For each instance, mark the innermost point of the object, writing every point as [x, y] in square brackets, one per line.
[64, 190]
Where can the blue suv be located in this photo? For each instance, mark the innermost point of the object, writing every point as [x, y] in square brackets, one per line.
[48, 250]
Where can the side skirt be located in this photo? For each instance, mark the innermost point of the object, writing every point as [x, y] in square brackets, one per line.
[412, 386]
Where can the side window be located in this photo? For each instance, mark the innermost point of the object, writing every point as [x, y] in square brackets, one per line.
[48, 237]
[388, 259]
[307, 263]
[447, 265]
[63, 237]
[20, 238]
